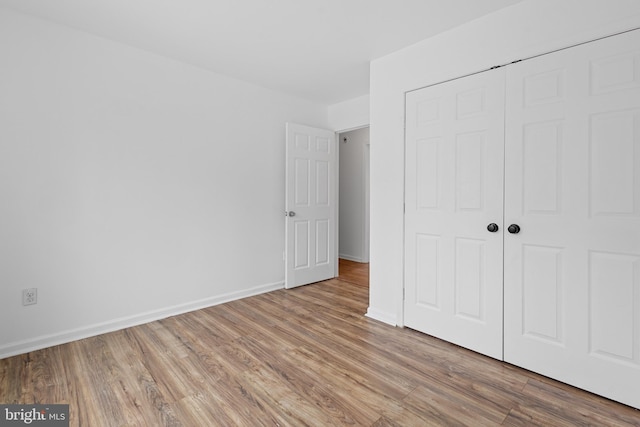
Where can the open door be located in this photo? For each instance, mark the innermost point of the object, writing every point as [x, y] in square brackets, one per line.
[311, 199]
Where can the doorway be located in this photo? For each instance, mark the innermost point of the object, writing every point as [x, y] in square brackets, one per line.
[353, 212]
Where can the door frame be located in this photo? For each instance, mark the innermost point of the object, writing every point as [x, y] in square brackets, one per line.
[336, 193]
[366, 208]
[367, 201]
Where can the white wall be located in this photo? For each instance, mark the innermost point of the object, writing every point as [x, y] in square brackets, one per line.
[525, 29]
[132, 186]
[349, 114]
[353, 195]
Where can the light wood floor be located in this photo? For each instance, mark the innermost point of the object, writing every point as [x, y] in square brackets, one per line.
[305, 356]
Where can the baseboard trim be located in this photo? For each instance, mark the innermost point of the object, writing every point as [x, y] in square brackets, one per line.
[38, 343]
[381, 316]
[350, 258]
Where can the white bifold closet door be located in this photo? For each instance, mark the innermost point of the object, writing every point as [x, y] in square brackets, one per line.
[555, 142]
[454, 177]
[572, 184]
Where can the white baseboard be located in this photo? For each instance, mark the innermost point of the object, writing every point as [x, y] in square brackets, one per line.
[351, 258]
[64, 337]
[381, 316]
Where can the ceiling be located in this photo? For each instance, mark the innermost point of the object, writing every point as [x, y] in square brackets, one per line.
[318, 50]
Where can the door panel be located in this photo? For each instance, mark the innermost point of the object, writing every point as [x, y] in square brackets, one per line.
[454, 178]
[311, 205]
[613, 164]
[572, 183]
[469, 279]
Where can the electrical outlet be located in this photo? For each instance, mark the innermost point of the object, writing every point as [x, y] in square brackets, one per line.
[30, 296]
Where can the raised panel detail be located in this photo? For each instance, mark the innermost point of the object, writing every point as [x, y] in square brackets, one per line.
[322, 242]
[301, 192]
[614, 160]
[544, 88]
[427, 172]
[470, 278]
[427, 111]
[301, 236]
[542, 166]
[322, 183]
[470, 158]
[619, 72]
[542, 293]
[322, 145]
[427, 280]
[302, 142]
[614, 303]
[470, 103]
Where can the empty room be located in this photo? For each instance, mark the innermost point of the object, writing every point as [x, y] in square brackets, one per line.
[336, 212]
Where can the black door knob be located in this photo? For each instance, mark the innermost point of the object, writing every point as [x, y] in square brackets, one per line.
[493, 227]
[514, 229]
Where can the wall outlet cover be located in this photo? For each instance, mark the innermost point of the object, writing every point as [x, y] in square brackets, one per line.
[30, 296]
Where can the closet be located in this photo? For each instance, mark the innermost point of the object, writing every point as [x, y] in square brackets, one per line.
[522, 214]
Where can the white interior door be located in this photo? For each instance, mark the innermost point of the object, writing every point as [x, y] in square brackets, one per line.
[311, 199]
[454, 190]
[572, 184]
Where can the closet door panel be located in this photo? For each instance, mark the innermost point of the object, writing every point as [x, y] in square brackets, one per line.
[572, 184]
[454, 178]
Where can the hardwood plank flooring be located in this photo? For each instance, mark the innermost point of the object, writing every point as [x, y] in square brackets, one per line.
[356, 273]
[305, 356]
